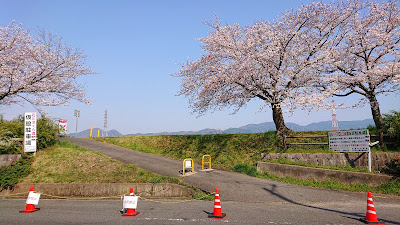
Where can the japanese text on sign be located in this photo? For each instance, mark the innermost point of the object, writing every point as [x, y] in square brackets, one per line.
[33, 198]
[62, 127]
[30, 132]
[349, 141]
[130, 202]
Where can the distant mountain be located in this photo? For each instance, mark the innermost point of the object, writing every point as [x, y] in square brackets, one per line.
[267, 126]
[247, 129]
[86, 133]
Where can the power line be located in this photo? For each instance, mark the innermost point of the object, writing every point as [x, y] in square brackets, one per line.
[335, 125]
[105, 129]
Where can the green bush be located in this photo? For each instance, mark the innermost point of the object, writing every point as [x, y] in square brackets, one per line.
[8, 130]
[392, 123]
[10, 175]
[46, 134]
[246, 169]
[393, 168]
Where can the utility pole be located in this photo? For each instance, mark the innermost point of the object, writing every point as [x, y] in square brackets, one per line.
[335, 125]
[105, 129]
[77, 114]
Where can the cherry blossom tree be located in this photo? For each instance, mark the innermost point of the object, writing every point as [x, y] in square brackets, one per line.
[277, 62]
[366, 61]
[39, 69]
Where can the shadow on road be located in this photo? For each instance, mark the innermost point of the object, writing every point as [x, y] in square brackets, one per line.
[354, 216]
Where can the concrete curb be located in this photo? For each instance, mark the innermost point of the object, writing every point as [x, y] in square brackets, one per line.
[99, 190]
[304, 173]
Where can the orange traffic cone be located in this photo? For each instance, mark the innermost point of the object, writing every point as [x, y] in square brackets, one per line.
[370, 217]
[30, 208]
[217, 214]
[130, 212]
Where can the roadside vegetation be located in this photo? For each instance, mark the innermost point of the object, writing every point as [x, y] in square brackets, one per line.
[241, 152]
[66, 163]
[392, 187]
[46, 137]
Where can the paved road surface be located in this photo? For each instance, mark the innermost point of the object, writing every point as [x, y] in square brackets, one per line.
[193, 212]
[246, 200]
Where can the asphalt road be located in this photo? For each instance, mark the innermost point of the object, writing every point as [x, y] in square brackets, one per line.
[193, 212]
[245, 199]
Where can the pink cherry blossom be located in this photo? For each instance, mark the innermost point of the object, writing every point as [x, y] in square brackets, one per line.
[39, 69]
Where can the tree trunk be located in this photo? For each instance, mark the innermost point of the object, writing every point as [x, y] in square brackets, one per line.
[277, 116]
[376, 112]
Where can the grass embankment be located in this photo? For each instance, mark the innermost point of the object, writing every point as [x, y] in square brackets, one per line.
[240, 152]
[66, 163]
[226, 150]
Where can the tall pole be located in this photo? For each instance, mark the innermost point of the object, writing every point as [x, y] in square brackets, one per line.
[105, 129]
[335, 125]
[76, 114]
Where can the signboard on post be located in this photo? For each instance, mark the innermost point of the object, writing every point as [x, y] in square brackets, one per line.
[349, 141]
[62, 127]
[30, 132]
[130, 202]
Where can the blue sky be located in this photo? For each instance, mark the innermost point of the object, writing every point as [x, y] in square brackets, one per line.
[134, 46]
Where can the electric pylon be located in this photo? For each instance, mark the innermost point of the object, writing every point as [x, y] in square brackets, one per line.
[105, 129]
[335, 125]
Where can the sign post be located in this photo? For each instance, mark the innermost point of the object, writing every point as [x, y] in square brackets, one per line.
[30, 132]
[77, 114]
[62, 127]
[187, 163]
[351, 141]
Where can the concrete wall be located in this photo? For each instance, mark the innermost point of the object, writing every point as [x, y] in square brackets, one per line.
[146, 190]
[335, 159]
[8, 159]
[305, 173]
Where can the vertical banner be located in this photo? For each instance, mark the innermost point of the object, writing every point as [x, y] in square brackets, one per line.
[62, 127]
[30, 132]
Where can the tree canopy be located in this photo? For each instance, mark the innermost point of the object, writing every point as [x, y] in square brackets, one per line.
[279, 62]
[40, 69]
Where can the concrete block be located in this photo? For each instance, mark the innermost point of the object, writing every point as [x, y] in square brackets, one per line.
[304, 173]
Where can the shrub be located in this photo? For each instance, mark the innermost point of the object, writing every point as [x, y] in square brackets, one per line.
[46, 134]
[392, 123]
[8, 130]
[393, 168]
[246, 169]
[12, 174]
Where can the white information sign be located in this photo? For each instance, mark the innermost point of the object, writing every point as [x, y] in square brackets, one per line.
[349, 141]
[130, 202]
[188, 163]
[33, 198]
[30, 132]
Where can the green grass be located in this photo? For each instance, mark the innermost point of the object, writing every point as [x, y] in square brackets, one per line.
[241, 152]
[392, 187]
[226, 150]
[66, 163]
[283, 160]
[14, 173]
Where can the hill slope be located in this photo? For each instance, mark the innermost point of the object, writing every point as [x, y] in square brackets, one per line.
[247, 129]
